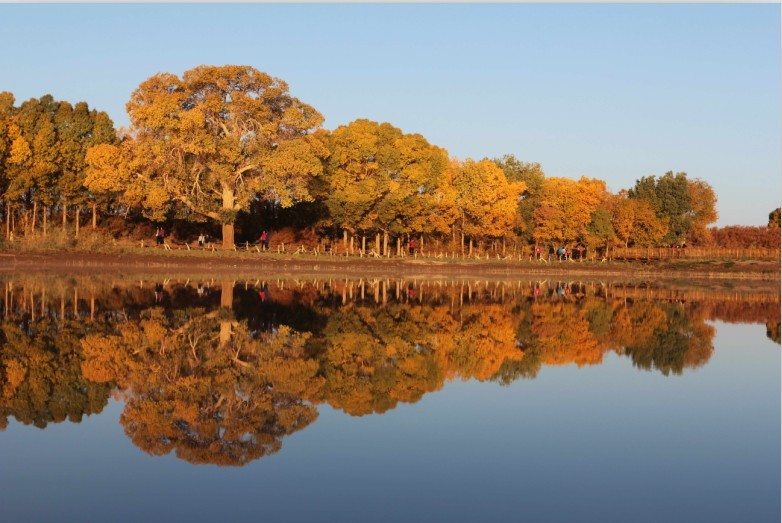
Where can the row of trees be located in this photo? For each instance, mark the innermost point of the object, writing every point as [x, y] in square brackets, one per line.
[221, 142]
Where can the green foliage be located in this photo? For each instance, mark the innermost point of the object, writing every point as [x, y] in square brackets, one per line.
[689, 206]
[774, 218]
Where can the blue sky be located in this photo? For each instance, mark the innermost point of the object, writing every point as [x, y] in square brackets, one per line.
[601, 90]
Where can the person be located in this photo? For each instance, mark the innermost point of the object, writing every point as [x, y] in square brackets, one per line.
[537, 252]
[160, 234]
[265, 240]
[411, 248]
[201, 239]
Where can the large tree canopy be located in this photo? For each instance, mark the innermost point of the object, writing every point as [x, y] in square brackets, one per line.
[221, 136]
[380, 179]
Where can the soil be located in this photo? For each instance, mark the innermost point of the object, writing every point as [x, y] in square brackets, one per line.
[159, 261]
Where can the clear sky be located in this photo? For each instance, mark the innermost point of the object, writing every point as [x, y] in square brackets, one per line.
[609, 91]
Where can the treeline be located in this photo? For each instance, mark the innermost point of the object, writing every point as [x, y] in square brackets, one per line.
[228, 150]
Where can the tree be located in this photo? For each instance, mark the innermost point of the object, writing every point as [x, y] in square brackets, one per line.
[773, 218]
[600, 230]
[47, 161]
[688, 205]
[382, 180]
[635, 222]
[486, 200]
[533, 177]
[220, 137]
[566, 208]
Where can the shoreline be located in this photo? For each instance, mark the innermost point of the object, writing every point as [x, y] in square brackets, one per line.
[310, 265]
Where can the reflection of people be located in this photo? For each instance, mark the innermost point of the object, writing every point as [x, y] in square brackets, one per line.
[200, 289]
[158, 292]
[264, 292]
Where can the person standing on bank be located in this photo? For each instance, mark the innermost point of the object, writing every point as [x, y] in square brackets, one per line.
[160, 234]
[265, 241]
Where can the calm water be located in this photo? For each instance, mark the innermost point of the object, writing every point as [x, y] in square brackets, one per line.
[387, 400]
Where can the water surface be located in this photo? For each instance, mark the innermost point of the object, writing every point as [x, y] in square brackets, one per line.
[387, 400]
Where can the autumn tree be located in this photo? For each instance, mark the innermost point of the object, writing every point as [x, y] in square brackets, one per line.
[219, 137]
[485, 199]
[382, 180]
[47, 164]
[566, 209]
[635, 222]
[9, 133]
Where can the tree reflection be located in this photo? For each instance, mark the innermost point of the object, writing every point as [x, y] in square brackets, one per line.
[41, 379]
[201, 385]
[219, 373]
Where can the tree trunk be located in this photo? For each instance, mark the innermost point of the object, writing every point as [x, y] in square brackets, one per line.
[94, 216]
[45, 218]
[35, 215]
[228, 236]
[78, 215]
[377, 243]
[398, 246]
[228, 228]
[363, 243]
[470, 252]
[385, 243]
[351, 244]
[8, 213]
[345, 240]
[64, 214]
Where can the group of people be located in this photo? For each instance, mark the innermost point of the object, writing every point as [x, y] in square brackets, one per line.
[563, 253]
[160, 239]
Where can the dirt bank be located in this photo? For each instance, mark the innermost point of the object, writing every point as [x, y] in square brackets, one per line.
[307, 265]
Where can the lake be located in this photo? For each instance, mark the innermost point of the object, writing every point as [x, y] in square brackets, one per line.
[199, 399]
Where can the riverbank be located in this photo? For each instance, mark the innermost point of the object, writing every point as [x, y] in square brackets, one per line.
[160, 261]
